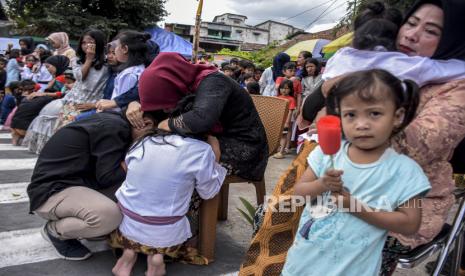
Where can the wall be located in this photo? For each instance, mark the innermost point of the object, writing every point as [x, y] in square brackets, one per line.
[230, 19]
[248, 35]
[279, 32]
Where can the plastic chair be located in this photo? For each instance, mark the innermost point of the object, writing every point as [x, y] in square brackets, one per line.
[451, 238]
[273, 113]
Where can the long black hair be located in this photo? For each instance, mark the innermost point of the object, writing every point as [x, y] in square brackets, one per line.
[30, 45]
[406, 94]
[289, 84]
[138, 48]
[306, 54]
[100, 43]
[156, 117]
[183, 106]
[377, 32]
[46, 54]
[317, 69]
[378, 10]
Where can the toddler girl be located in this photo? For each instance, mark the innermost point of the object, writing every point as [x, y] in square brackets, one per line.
[286, 91]
[380, 187]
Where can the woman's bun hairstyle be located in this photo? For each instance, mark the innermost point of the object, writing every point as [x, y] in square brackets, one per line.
[378, 10]
[376, 7]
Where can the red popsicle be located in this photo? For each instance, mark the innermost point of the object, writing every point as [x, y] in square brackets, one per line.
[329, 134]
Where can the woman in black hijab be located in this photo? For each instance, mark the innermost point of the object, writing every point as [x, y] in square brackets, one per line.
[27, 45]
[439, 126]
[31, 106]
[434, 29]
[436, 131]
[60, 63]
[269, 76]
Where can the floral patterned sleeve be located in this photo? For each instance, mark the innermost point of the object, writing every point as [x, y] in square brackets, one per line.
[430, 140]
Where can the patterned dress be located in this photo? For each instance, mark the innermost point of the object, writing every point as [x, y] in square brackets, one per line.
[430, 140]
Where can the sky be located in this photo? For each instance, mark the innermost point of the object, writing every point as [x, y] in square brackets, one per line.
[316, 15]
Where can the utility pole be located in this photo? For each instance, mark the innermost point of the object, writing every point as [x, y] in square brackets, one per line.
[198, 21]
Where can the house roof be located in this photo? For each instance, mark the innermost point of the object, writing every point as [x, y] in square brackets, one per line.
[276, 22]
[243, 16]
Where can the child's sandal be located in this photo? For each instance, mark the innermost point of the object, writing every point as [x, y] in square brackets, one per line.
[278, 155]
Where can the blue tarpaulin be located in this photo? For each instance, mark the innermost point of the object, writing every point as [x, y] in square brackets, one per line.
[170, 42]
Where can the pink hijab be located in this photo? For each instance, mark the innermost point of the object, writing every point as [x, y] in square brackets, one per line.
[168, 79]
[62, 39]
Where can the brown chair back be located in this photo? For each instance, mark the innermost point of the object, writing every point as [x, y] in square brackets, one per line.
[273, 113]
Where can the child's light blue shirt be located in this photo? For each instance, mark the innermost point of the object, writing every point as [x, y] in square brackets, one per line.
[12, 71]
[340, 243]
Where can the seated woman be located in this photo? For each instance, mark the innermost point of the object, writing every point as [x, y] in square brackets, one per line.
[34, 102]
[431, 29]
[90, 73]
[81, 161]
[26, 45]
[155, 201]
[60, 42]
[220, 107]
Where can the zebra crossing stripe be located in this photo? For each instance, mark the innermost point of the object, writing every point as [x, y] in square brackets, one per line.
[5, 135]
[27, 246]
[10, 147]
[13, 192]
[17, 164]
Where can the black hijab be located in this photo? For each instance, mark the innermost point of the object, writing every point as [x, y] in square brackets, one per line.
[278, 64]
[60, 62]
[452, 43]
[29, 43]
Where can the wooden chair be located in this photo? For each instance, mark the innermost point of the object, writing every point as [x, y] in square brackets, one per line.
[273, 113]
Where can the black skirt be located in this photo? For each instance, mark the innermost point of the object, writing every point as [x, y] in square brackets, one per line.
[28, 110]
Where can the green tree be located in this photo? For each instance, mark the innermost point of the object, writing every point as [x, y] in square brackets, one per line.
[73, 16]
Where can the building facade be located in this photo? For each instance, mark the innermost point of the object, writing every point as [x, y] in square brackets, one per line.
[231, 31]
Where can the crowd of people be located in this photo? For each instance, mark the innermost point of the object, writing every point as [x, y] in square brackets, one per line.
[303, 75]
[145, 136]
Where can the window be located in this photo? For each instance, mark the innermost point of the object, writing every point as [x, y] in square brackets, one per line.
[237, 21]
[214, 33]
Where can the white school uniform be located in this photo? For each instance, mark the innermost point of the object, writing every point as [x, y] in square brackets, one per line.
[160, 181]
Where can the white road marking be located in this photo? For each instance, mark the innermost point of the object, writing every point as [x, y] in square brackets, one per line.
[11, 147]
[13, 192]
[27, 246]
[17, 164]
[5, 135]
